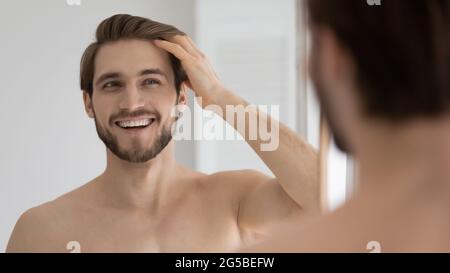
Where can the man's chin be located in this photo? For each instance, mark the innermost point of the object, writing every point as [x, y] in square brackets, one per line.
[134, 156]
[137, 152]
[134, 149]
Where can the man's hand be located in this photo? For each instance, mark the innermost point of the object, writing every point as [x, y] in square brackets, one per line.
[201, 77]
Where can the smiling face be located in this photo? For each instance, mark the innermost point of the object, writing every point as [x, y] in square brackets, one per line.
[133, 97]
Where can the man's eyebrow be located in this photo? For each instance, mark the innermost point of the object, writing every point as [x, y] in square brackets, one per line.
[153, 71]
[106, 76]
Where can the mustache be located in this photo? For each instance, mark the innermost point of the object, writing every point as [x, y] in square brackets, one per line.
[124, 114]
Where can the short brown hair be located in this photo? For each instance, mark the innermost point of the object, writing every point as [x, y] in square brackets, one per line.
[124, 26]
[401, 49]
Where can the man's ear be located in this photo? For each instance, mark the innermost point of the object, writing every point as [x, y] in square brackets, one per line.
[182, 97]
[336, 62]
[88, 104]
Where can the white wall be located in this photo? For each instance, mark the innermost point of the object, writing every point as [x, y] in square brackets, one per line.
[48, 145]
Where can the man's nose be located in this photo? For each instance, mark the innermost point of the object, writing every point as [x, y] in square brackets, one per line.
[132, 98]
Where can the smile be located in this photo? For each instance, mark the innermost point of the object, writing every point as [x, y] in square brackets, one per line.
[130, 124]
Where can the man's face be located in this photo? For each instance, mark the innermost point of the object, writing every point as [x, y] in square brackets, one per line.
[134, 94]
[326, 67]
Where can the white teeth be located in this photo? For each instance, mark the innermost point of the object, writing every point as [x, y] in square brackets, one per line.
[134, 123]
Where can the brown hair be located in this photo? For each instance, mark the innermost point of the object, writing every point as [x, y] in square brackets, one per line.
[124, 26]
[401, 50]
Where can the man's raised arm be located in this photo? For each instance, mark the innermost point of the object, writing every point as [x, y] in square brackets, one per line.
[293, 161]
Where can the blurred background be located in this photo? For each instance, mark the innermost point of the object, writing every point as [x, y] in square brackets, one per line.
[48, 144]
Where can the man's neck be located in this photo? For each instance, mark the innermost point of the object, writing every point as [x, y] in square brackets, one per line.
[147, 186]
[413, 157]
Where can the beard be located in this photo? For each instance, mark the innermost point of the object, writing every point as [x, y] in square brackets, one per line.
[137, 153]
[339, 139]
[325, 101]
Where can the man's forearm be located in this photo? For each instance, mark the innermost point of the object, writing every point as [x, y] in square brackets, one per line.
[294, 162]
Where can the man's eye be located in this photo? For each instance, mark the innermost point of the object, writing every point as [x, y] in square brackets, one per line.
[151, 82]
[111, 84]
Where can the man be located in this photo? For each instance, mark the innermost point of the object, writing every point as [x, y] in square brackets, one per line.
[145, 201]
[382, 75]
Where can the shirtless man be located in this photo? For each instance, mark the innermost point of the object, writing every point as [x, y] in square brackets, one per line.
[382, 74]
[145, 201]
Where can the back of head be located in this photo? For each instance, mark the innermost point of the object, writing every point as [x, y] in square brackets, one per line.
[401, 51]
[121, 27]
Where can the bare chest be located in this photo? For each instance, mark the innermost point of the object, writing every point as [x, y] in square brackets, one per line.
[187, 228]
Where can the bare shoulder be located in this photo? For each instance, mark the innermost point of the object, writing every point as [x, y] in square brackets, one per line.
[238, 176]
[34, 230]
[343, 230]
[40, 229]
[236, 183]
[242, 179]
